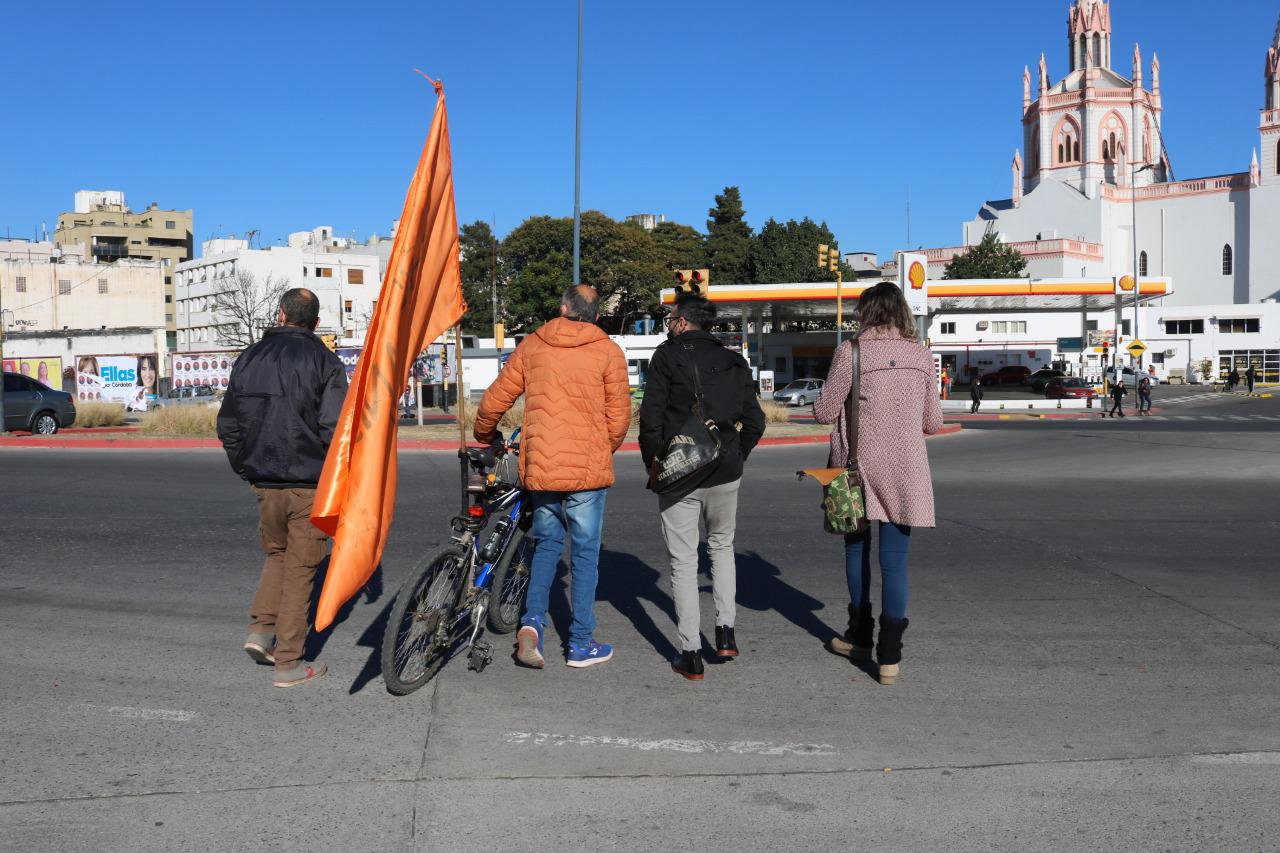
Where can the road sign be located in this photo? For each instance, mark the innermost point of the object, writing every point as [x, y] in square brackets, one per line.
[1136, 348]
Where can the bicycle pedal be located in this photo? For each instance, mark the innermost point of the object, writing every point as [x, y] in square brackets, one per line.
[480, 657]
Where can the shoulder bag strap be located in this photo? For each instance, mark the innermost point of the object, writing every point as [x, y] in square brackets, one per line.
[851, 405]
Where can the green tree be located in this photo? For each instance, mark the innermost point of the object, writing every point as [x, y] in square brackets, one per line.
[988, 259]
[620, 259]
[476, 247]
[680, 247]
[787, 252]
[729, 240]
[536, 259]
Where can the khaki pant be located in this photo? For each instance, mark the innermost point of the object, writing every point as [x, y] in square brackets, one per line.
[294, 547]
[717, 508]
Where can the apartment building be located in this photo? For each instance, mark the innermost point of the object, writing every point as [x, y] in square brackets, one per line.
[105, 230]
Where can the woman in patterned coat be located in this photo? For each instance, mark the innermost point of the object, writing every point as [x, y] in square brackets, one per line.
[897, 407]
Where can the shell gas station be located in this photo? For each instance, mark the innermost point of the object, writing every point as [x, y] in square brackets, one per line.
[1074, 324]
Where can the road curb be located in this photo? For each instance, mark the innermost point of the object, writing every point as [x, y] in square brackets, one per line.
[407, 444]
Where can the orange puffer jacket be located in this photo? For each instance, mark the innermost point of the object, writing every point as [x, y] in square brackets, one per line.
[577, 406]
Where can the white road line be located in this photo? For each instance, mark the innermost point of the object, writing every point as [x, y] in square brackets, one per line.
[127, 712]
[743, 747]
[1239, 758]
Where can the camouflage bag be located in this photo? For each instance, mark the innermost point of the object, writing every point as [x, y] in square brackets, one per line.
[844, 508]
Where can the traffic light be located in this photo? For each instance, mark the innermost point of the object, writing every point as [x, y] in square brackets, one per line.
[823, 250]
[834, 259]
[693, 281]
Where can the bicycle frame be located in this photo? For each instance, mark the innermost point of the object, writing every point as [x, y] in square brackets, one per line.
[481, 502]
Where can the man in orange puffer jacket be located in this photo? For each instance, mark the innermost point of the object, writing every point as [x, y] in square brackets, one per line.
[576, 413]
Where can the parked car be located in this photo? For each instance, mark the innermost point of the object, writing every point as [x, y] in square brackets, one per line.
[190, 395]
[35, 407]
[1040, 378]
[1011, 374]
[801, 392]
[1069, 387]
[1130, 378]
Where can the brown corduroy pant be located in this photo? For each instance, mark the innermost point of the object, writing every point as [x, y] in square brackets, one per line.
[294, 547]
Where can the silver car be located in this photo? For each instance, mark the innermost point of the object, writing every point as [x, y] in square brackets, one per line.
[800, 392]
[35, 407]
[188, 395]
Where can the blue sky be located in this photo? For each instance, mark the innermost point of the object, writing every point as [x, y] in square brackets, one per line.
[282, 116]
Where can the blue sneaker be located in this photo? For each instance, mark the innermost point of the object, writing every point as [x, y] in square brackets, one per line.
[529, 642]
[588, 653]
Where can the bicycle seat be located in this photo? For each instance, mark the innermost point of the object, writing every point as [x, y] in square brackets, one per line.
[481, 457]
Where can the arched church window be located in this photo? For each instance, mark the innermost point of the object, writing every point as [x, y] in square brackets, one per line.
[1106, 151]
[1061, 157]
[1113, 146]
[1226, 259]
[1076, 152]
[1097, 49]
[1142, 263]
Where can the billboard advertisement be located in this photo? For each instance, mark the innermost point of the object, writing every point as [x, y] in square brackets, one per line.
[349, 356]
[129, 380]
[913, 280]
[202, 368]
[45, 370]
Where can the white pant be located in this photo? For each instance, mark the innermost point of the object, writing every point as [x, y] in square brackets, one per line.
[717, 507]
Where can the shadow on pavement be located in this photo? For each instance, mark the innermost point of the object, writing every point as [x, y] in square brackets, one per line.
[760, 587]
[372, 640]
[625, 581]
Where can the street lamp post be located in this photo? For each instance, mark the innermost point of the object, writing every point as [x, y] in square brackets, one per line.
[1134, 171]
[577, 163]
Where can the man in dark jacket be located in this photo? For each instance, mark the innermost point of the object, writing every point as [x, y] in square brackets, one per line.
[975, 395]
[276, 422]
[729, 398]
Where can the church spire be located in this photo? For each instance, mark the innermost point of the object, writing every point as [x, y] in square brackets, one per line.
[1089, 34]
[1137, 67]
[1272, 72]
[1044, 77]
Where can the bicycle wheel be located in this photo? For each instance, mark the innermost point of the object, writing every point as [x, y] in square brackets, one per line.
[510, 582]
[416, 642]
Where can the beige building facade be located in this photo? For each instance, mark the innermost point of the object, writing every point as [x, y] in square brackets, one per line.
[58, 300]
[103, 229]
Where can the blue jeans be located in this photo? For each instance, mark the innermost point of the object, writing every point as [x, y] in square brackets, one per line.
[581, 515]
[895, 540]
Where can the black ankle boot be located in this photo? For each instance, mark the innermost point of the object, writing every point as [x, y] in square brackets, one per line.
[726, 647]
[688, 664]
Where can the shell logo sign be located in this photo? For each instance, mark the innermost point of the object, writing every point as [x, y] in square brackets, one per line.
[913, 280]
[1126, 283]
[916, 275]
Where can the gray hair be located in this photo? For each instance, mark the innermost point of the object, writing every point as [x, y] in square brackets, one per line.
[581, 303]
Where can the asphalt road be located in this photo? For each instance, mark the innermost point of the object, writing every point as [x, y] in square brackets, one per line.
[1093, 664]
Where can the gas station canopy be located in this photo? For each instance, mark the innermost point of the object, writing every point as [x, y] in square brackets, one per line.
[818, 299]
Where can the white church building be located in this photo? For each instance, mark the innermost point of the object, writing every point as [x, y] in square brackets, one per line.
[1095, 162]
[1093, 171]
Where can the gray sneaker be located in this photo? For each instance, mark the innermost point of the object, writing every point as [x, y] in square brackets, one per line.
[300, 674]
[259, 647]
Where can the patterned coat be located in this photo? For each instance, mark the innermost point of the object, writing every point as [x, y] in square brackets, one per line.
[898, 407]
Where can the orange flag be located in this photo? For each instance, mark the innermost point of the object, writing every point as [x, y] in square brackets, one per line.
[421, 298]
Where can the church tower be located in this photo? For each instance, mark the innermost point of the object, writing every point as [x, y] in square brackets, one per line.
[1088, 129]
[1269, 168]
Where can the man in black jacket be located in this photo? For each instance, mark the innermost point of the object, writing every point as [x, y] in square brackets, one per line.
[729, 398]
[276, 422]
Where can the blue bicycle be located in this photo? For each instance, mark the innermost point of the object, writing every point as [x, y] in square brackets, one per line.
[483, 572]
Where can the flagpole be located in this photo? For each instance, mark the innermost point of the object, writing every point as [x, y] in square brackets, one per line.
[462, 399]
